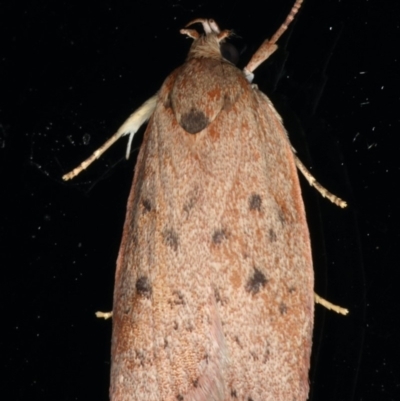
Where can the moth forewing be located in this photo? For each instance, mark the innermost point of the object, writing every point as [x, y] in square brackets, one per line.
[214, 293]
[213, 296]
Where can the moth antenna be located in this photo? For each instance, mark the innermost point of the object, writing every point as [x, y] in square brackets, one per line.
[287, 22]
[268, 46]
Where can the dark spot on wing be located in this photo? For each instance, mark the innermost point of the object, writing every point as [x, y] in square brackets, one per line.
[171, 239]
[272, 235]
[256, 282]
[255, 202]
[282, 308]
[147, 205]
[217, 295]
[191, 200]
[143, 287]
[177, 298]
[218, 236]
[281, 217]
[266, 355]
[237, 341]
[140, 356]
[194, 121]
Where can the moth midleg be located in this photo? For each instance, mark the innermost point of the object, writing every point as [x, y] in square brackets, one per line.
[337, 201]
[314, 183]
[104, 315]
[129, 127]
[329, 305]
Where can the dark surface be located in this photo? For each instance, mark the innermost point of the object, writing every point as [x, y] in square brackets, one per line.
[70, 75]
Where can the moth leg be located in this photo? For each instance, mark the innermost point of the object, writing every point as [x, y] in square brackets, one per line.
[130, 126]
[104, 315]
[314, 183]
[269, 46]
[330, 305]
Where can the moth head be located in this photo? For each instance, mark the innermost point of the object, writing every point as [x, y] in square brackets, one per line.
[212, 42]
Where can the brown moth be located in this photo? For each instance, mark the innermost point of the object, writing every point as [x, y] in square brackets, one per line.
[213, 295]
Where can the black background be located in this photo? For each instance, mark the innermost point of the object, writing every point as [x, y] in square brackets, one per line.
[69, 76]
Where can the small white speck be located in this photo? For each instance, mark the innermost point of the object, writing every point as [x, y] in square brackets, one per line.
[86, 139]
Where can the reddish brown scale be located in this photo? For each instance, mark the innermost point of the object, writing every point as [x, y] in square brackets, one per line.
[213, 291]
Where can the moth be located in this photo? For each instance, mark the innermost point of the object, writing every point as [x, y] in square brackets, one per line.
[213, 297]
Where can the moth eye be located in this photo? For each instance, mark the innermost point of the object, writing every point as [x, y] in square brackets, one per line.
[229, 52]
